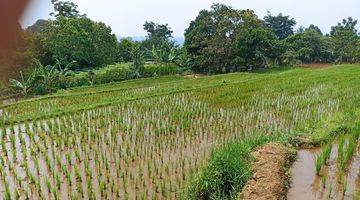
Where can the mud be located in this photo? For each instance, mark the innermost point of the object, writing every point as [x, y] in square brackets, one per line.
[270, 179]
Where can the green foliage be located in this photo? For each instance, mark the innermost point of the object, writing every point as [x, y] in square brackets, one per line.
[164, 53]
[114, 75]
[160, 70]
[281, 25]
[64, 9]
[319, 160]
[345, 41]
[183, 60]
[78, 39]
[157, 35]
[44, 79]
[227, 171]
[314, 28]
[125, 47]
[322, 157]
[23, 85]
[138, 59]
[215, 40]
[255, 47]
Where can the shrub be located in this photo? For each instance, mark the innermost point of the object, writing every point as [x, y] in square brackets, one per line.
[227, 172]
[161, 70]
[114, 75]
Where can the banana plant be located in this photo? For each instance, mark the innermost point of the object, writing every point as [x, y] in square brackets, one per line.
[63, 71]
[164, 53]
[47, 74]
[24, 85]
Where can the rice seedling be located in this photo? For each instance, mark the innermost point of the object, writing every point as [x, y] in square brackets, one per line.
[322, 158]
[324, 180]
[344, 185]
[319, 161]
[48, 184]
[7, 195]
[151, 141]
[341, 146]
[330, 192]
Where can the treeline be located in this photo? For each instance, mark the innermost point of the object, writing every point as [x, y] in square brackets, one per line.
[219, 40]
[224, 39]
[49, 53]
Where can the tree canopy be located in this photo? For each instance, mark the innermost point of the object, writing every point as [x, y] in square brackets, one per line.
[283, 26]
[345, 40]
[64, 9]
[225, 39]
[79, 39]
[157, 34]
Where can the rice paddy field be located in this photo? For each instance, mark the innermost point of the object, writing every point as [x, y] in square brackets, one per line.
[147, 139]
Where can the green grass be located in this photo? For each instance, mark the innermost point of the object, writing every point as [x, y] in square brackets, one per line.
[229, 169]
[226, 91]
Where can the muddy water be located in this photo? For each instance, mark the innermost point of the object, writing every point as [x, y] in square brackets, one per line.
[307, 185]
[304, 177]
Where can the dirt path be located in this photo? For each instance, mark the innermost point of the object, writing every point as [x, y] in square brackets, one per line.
[270, 179]
[316, 65]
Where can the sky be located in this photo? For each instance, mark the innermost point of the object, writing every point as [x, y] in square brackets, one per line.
[126, 17]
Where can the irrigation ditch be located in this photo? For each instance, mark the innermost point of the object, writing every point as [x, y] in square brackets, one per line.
[330, 170]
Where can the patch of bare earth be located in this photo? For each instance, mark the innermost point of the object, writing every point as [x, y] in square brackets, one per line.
[271, 178]
[316, 65]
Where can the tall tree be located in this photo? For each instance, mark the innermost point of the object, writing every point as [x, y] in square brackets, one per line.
[79, 39]
[157, 34]
[224, 39]
[283, 26]
[125, 47]
[314, 28]
[65, 9]
[345, 38]
[348, 24]
[310, 46]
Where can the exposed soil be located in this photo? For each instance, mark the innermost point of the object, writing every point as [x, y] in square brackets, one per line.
[270, 179]
[316, 65]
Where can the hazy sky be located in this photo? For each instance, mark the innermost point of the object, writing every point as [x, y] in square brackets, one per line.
[126, 17]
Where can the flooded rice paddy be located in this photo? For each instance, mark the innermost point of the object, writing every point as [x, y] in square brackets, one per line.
[142, 149]
[331, 183]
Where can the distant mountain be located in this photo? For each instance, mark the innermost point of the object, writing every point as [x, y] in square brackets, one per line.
[178, 40]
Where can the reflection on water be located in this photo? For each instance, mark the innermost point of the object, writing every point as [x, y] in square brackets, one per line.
[307, 185]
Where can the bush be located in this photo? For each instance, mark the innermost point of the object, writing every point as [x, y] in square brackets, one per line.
[161, 70]
[71, 81]
[290, 58]
[114, 75]
[227, 172]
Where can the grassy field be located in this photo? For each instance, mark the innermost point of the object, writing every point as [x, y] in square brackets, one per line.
[163, 138]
